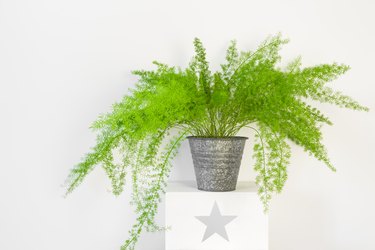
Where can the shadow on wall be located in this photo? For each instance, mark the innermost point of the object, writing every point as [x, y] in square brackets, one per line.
[316, 215]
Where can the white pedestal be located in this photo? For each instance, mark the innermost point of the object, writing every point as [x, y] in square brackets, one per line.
[214, 220]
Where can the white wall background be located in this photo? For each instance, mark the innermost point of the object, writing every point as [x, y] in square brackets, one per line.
[64, 62]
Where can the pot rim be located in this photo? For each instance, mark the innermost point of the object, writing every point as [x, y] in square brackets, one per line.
[218, 138]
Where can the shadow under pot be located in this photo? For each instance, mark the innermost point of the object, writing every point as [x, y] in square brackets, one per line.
[217, 161]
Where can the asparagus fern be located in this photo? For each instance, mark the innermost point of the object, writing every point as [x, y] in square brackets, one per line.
[250, 90]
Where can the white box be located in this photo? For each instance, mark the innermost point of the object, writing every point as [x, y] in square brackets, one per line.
[201, 220]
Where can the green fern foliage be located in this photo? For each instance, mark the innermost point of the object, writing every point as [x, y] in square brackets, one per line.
[251, 90]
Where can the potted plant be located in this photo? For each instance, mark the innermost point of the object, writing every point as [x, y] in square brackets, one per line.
[250, 91]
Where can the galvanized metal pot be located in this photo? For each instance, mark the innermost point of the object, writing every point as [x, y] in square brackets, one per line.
[217, 161]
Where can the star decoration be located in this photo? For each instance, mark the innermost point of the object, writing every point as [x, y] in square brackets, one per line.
[215, 223]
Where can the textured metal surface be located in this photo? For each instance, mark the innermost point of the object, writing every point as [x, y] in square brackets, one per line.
[217, 162]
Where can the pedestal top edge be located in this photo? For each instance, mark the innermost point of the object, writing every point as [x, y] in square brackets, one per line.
[191, 186]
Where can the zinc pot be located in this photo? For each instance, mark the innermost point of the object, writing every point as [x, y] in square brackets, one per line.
[217, 161]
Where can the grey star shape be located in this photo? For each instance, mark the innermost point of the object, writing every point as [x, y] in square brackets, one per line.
[215, 223]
